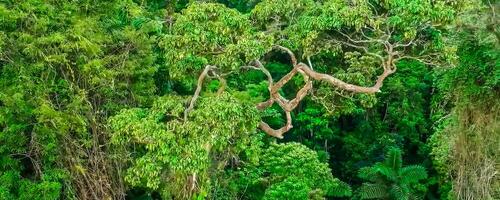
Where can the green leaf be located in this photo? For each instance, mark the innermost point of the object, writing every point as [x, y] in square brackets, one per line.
[373, 191]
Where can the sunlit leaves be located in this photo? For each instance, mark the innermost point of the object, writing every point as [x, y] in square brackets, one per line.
[206, 33]
[163, 146]
[64, 66]
[282, 165]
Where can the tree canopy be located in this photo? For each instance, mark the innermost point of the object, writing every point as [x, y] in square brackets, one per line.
[249, 99]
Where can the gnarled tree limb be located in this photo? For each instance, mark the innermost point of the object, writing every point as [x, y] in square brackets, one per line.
[346, 86]
[308, 73]
[387, 62]
[199, 85]
[278, 133]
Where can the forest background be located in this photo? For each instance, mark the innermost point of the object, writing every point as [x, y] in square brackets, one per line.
[249, 99]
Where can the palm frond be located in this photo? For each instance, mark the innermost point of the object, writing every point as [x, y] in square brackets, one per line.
[386, 171]
[413, 174]
[341, 190]
[400, 193]
[373, 191]
[393, 159]
[368, 173]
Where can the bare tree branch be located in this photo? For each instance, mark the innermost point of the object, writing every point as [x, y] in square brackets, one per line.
[309, 62]
[365, 49]
[388, 60]
[199, 85]
[223, 84]
[361, 41]
[419, 59]
[404, 45]
[289, 52]
[346, 86]
[278, 133]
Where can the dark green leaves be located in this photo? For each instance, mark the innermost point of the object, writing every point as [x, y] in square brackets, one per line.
[390, 179]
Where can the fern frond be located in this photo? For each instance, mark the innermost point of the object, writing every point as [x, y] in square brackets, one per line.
[415, 197]
[342, 189]
[386, 171]
[368, 173]
[393, 159]
[413, 174]
[373, 191]
[400, 193]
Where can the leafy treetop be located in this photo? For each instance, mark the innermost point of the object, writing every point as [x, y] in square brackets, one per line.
[369, 38]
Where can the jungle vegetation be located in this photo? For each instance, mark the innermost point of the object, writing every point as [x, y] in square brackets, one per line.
[249, 99]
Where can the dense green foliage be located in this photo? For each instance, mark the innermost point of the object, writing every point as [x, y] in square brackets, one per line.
[390, 180]
[96, 99]
[291, 171]
[202, 145]
[465, 140]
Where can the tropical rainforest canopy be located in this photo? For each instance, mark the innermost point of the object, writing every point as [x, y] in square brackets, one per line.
[249, 99]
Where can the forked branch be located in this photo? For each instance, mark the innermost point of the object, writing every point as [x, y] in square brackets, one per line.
[309, 74]
[199, 85]
[387, 63]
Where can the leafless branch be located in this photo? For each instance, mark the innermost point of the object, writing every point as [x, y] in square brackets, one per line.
[289, 52]
[309, 62]
[278, 133]
[423, 59]
[387, 62]
[361, 41]
[403, 45]
[199, 85]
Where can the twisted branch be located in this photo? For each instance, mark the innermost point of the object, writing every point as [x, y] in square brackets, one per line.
[308, 73]
[387, 62]
[378, 43]
[199, 85]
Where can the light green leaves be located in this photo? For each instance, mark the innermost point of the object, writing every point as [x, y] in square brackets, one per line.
[206, 33]
[294, 166]
[161, 146]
